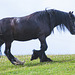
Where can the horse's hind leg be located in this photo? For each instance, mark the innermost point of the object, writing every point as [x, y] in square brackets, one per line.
[12, 59]
[41, 54]
[1, 42]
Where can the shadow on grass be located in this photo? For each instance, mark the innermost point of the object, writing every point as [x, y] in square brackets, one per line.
[38, 63]
[69, 60]
[43, 63]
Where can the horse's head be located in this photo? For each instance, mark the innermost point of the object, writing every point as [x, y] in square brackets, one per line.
[72, 20]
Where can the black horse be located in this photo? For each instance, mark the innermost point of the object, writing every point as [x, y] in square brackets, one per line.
[37, 25]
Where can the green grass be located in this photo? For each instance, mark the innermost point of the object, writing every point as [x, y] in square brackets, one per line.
[62, 65]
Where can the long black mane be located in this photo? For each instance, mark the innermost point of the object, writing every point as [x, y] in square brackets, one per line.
[53, 18]
[59, 18]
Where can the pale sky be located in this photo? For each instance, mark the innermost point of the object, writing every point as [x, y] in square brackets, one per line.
[58, 43]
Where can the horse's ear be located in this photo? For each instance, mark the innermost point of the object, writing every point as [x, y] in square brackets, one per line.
[71, 14]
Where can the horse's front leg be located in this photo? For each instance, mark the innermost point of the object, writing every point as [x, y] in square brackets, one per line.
[41, 53]
[12, 59]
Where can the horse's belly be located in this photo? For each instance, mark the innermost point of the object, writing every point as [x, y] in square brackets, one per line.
[25, 37]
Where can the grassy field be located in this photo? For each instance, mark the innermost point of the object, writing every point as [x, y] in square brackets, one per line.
[62, 65]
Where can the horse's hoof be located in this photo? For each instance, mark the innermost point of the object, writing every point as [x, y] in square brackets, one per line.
[17, 62]
[46, 60]
[34, 55]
